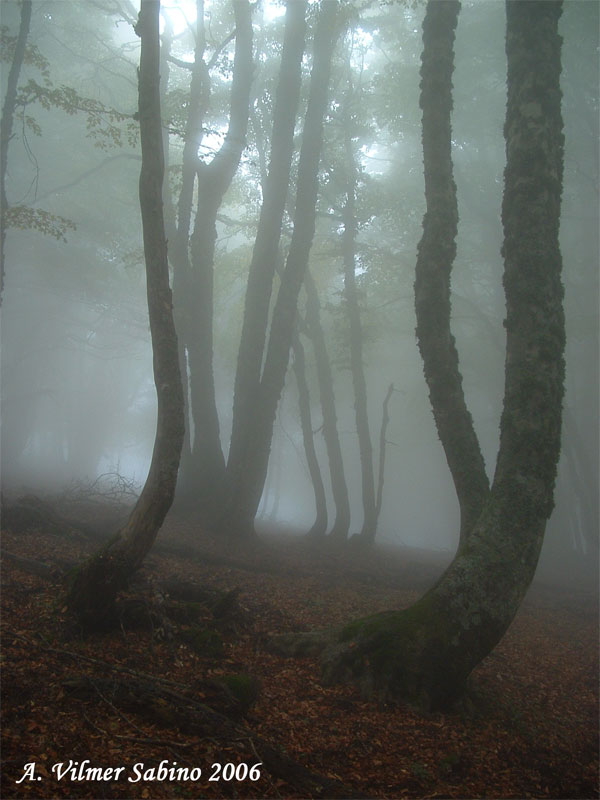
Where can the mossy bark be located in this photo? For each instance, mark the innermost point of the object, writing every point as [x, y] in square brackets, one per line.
[435, 257]
[424, 654]
[93, 587]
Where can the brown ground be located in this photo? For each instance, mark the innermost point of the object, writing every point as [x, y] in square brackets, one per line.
[530, 728]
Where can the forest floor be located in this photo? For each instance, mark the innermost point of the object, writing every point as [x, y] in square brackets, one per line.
[528, 729]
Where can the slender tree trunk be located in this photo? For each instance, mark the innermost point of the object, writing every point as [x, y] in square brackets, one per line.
[246, 492]
[266, 249]
[436, 254]
[367, 535]
[94, 585]
[385, 418]
[6, 123]
[320, 525]
[339, 487]
[425, 653]
[179, 241]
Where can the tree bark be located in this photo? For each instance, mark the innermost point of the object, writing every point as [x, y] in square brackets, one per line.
[339, 487]
[425, 653]
[207, 459]
[367, 534]
[94, 586]
[385, 418]
[435, 257]
[266, 248]
[251, 468]
[6, 123]
[203, 470]
[320, 524]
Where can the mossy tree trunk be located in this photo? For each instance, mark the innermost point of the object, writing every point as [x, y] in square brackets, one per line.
[94, 585]
[435, 257]
[424, 654]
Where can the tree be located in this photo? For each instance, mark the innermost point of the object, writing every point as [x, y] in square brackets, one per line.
[266, 247]
[250, 465]
[339, 486]
[6, 123]
[319, 526]
[95, 584]
[434, 264]
[194, 258]
[424, 654]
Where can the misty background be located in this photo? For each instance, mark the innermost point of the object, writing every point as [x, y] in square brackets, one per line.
[78, 398]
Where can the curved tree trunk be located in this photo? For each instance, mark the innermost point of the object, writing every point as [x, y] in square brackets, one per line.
[425, 653]
[6, 123]
[94, 585]
[320, 524]
[435, 257]
[251, 466]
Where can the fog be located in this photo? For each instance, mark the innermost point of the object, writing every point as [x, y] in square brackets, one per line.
[77, 390]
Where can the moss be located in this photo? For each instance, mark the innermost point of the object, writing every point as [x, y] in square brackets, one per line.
[204, 641]
[243, 687]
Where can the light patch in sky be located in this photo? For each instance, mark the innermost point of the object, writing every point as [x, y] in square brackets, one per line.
[181, 13]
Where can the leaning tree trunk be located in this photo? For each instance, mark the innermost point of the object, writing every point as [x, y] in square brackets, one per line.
[436, 254]
[6, 123]
[425, 653]
[94, 585]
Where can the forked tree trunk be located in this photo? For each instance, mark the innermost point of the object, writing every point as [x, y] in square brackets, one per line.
[425, 653]
[264, 256]
[94, 586]
[250, 467]
[204, 465]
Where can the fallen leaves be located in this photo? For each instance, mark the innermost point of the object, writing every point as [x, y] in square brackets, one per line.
[529, 729]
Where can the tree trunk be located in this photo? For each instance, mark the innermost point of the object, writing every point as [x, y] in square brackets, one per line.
[425, 653]
[205, 465]
[251, 470]
[385, 418]
[320, 525]
[94, 585]
[435, 257]
[367, 534]
[6, 123]
[266, 248]
[339, 487]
